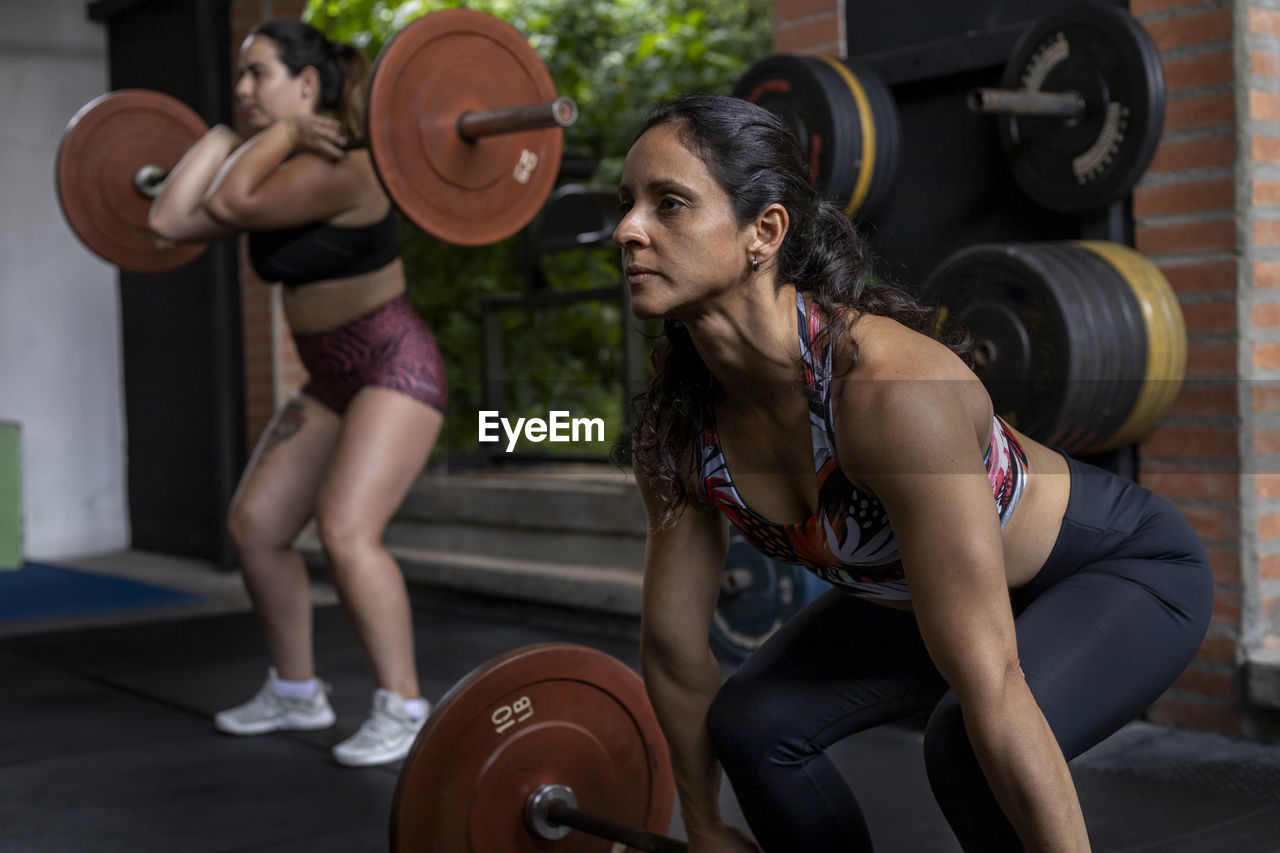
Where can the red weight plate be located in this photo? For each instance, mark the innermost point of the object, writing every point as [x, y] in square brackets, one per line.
[539, 715]
[437, 67]
[104, 146]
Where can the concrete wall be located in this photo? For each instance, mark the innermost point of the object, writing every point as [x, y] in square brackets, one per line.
[60, 363]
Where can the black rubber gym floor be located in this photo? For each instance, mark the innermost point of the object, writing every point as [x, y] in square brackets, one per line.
[106, 744]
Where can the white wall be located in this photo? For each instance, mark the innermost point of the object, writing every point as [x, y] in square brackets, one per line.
[60, 362]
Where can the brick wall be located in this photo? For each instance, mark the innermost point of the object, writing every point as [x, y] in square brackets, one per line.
[272, 369]
[1207, 213]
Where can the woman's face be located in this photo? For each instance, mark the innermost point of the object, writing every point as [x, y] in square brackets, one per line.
[266, 90]
[680, 243]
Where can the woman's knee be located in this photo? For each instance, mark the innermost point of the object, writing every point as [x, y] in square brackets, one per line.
[252, 529]
[344, 539]
[741, 724]
[948, 754]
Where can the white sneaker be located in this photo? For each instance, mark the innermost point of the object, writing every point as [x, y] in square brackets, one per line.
[386, 736]
[269, 712]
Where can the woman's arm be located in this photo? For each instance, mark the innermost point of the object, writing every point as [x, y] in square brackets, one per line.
[682, 569]
[261, 187]
[924, 461]
[177, 212]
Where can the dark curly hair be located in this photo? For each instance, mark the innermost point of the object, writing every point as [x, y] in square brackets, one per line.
[343, 69]
[755, 158]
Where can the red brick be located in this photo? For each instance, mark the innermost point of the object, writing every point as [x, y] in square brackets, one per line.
[1266, 193]
[1189, 197]
[1264, 21]
[1138, 8]
[1225, 566]
[1220, 685]
[1264, 63]
[1266, 398]
[1203, 277]
[1196, 28]
[1191, 443]
[1200, 111]
[1266, 356]
[1204, 152]
[1218, 648]
[1204, 70]
[1266, 232]
[823, 30]
[1265, 315]
[789, 10]
[1267, 485]
[1269, 526]
[1266, 441]
[1199, 485]
[1264, 106]
[1210, 360]
[1271, 608]
[1226, 608]
[1264, 149]
[1213, 525]
[1214, 235]
[1266, 274]
[1269, 567]
[1209, 318]
[1217, 399]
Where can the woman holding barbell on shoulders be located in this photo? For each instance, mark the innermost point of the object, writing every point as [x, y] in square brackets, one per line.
[1030, 603]
[346, 449]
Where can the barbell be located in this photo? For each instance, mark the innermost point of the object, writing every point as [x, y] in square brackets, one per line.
[1080, 110]
[1081, 345]
[464, 131]
[1081, 106]
[537, 742]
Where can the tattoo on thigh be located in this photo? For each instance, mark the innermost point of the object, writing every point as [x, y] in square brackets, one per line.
[287, 425]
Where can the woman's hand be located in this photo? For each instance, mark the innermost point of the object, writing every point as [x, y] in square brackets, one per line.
[320, 134]
[722, 838]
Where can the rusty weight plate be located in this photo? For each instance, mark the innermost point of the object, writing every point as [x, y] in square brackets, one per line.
[104, 146]
[433, 70]
[551, 713]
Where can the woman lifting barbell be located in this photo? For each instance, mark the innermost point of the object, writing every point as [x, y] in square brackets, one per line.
[835, 427]
[346, 449]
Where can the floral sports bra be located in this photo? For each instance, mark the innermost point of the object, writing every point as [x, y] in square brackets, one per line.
[848, 542]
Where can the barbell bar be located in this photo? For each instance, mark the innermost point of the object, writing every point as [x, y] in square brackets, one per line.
[464, 130]
[1065, 105]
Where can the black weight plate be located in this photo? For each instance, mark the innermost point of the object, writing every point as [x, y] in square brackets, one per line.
[1106, 328]
[843, 118]
[1126, 346]
[1106, 56]
[982, 287]
[1084, 322]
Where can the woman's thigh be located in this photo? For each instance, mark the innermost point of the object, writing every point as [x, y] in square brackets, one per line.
[841, 665]
[385, 442]
[277, 492]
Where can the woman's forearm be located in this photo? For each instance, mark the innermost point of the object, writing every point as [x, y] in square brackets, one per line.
[1027, 773]
[681, 696]
[246, 170]
[177, 212]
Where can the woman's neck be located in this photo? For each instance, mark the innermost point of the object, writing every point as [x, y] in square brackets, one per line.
[752, 350]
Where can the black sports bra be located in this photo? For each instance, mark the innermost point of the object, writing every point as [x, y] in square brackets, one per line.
[318, 251]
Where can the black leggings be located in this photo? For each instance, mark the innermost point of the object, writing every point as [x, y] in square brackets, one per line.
[1112, 618]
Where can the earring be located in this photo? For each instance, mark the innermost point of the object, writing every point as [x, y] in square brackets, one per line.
[755, 264]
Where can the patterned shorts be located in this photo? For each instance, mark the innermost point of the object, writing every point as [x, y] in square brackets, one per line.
[390, 347]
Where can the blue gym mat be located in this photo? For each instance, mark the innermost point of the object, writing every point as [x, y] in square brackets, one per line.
[38, 591]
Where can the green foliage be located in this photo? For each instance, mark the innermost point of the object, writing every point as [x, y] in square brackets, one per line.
[616, 59]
